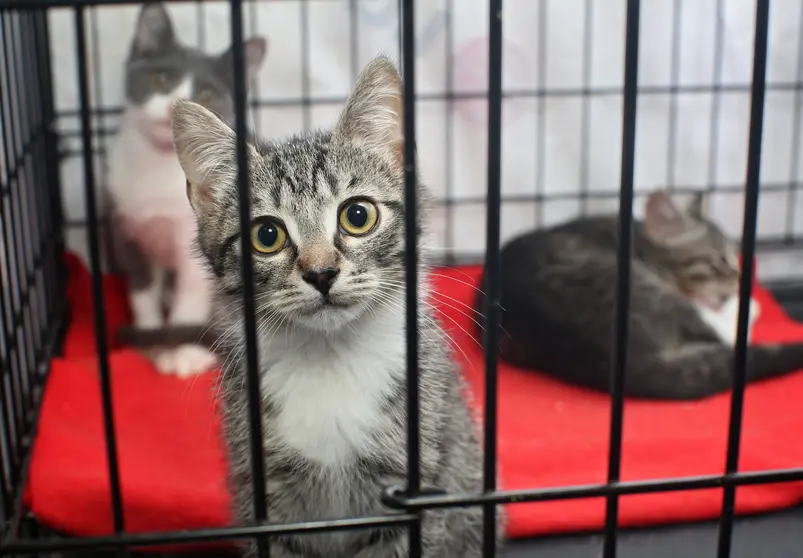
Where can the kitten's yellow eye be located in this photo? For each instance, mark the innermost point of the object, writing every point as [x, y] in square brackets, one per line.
[358, 217]
[159, 80]
[268, 237]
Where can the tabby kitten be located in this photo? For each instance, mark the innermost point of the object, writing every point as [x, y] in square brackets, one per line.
[151, 222]
[328, 249]
[559, 294]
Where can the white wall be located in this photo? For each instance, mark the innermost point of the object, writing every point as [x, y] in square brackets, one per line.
[543, 142]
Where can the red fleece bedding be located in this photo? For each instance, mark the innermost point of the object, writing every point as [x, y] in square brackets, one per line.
[550, 434]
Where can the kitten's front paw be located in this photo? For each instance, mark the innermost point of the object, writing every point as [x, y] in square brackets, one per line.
[185, 361]
[755, 310]
[730, 307]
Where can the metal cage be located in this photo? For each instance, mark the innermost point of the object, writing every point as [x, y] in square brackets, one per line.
[34, 315]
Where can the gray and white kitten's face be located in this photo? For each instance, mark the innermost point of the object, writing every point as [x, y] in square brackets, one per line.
[160, 70]
[703, 262]
[327, 209]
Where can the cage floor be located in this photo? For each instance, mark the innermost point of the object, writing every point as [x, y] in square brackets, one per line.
[707, 452]
[775, 535]
[771, 535]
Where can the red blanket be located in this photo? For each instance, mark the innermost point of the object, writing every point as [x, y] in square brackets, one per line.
[550, 434]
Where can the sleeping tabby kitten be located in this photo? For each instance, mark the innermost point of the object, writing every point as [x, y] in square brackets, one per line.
[328, 249]
[558, 292]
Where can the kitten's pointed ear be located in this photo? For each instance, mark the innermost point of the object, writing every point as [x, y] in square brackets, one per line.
[374, 115]
[662, 218]
[255, 50]
[697, 206]
[154, 29]
[206, 149]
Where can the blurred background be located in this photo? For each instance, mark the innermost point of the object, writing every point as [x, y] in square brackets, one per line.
[563, 70]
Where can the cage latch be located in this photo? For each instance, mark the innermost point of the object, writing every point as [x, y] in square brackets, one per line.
[396, 497]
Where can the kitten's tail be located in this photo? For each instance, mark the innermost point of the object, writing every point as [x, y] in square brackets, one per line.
[705, 369]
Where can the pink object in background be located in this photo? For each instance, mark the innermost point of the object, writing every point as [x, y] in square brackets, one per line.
[471, 76]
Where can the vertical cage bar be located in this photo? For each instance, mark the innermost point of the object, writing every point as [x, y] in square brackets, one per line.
[622, 317]
[757, 90]
[17, 187]
[354, 37]
[585, 130]
[99, 122]
[35, 135]
[21, 72]
[27, 209]
[55, 216]
[448, 170]
[540, 159]
[50, 235]
[492, 267]
[791, 205]
[10, 425]
[7, 457]
[674, 78]
[251, 356]
[8, 451]
[411, 263]
[200, 13]
[98, 302]
[305, 66]
[716, 97]
[254, 92]
[14, 252]
[5, 496]
[38, 186]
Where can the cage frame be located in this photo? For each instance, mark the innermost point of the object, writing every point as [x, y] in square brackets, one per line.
[405, 503]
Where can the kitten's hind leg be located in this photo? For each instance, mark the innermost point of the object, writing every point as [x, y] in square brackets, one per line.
[146, 301]
[191, 305]
[145, 280]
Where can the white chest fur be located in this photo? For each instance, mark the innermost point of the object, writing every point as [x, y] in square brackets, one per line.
[145, 182]
[725, 320]
[329, 392]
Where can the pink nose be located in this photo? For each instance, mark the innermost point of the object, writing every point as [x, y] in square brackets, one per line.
[170, 112]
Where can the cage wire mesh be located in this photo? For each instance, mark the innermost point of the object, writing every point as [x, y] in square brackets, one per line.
[514, 130]
[562, 102]
[33, 314]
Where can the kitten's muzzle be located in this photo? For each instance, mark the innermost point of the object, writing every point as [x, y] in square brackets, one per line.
[321, 279]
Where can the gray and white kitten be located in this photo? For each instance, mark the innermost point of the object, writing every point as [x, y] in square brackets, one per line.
[328, 241]
[151, 222]
[559, 293]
